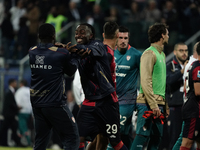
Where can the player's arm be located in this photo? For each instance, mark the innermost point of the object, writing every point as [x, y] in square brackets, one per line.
[197, 88]
[196, 81]
[96, 49]
[148, 60]
[146, 69]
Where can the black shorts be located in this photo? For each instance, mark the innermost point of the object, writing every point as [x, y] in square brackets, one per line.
[61, 120]
[191, 128]
[103, 117]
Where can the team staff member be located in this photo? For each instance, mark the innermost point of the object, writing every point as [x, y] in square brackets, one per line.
[48, 96]
[174, 95]
[99, 112]
[191, 107]
[152, 89]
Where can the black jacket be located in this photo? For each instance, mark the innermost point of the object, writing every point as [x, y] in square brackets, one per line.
[48, 65]
[96, 78]
[174, 81]
[10, 108]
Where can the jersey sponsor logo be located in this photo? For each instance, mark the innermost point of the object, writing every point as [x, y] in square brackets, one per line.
[39, 63]
[123, 67]
[198, 74]
[120, 74]
[39, 59]
[128, 58]
[38, 93]
[139, 145]
[40, 66]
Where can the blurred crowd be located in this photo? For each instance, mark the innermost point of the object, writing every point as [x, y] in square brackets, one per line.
[19, 20]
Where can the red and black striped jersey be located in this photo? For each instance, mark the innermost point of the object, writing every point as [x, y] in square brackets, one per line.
[191, 107]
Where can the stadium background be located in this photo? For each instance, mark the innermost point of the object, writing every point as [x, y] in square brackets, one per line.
[182, 17]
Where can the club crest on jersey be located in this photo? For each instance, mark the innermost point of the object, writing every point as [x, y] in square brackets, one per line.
[39, 59]
[128, 58]
[198, 74]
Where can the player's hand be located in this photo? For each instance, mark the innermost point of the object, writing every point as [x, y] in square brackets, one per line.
[185, 63]
[156, 112]
[83, 53]
[58, 44]
[71, 48]
[167, 113]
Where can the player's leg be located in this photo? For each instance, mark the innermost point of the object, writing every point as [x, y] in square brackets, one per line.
[126, 126]
[64, 125]
[186, 144]
[99, 143]
[110, 112]
[198, 143]
[179, 140]
[102, 142]
[189, 132]
[126, 112]
[92, 145]
[42, 130]
[87, 125]
[143, 129]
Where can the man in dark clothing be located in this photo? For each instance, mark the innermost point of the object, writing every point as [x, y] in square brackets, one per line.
[48, 96]
[99, 112]
[10, 111]
[174, 95]
[191, 107]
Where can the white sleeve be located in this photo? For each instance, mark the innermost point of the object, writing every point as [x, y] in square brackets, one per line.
[77, 89]
[185, 71]
[18, 97]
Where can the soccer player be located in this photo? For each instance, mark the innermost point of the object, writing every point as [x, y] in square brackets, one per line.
[193, 58]
[191, 108]
[127, 60]
[48, 96]
[152, 89]
[99, 112]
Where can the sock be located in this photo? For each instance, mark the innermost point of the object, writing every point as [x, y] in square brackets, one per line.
[184, 148]
[120, 146]
[81, 146]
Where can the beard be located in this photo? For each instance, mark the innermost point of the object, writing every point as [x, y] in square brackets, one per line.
[165, 43]
[181, 60]
[123, 50]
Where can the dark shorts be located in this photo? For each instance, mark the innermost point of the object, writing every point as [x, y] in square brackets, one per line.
[103, 117]
[61, 120]
[191, 128]
[126, 113]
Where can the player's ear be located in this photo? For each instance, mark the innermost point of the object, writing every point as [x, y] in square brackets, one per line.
[103, 35]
